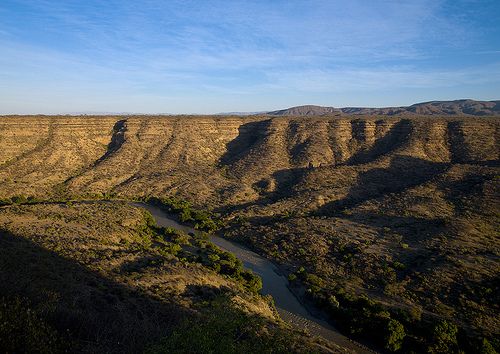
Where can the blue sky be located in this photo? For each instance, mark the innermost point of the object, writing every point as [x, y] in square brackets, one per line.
[214, 56]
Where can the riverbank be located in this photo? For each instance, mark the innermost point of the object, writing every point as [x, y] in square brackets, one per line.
[274, 283]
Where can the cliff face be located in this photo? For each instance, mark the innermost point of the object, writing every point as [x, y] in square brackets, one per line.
[219, 160]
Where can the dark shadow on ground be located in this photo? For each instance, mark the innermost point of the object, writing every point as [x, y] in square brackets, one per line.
[404, 172]
[395, 138]
[414, 230]
[117, 140]
[98, 314]
[248, 135]
[284, 182]
[460, 192]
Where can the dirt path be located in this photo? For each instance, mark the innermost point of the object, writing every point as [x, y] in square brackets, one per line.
[274, 284]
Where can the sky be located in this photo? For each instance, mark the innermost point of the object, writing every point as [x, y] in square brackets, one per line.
[211, 56]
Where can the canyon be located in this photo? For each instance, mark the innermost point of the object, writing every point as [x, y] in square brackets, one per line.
[399, 209]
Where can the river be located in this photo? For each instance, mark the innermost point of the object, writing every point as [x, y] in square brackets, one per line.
[273, 283]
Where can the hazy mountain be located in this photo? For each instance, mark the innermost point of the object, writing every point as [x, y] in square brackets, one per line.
[457, 107]
[240, 113]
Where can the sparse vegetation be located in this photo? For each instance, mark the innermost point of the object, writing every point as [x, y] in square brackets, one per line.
[200, 219]
[22, 330]
[222, 328]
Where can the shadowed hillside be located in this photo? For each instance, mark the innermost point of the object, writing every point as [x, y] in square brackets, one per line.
[99, 277]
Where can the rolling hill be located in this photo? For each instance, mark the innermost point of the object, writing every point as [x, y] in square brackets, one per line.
[439, 108]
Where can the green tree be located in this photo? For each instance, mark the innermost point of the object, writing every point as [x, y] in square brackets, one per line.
[486, 347]
[395, 334]
[444, 339]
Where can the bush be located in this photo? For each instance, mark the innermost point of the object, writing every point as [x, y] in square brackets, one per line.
[19, 199]
[314, 280]
[333, 302]
[395, 334]
[444, 338]
[486, 347]
[171, 248]
[228, 264]
[202, 220]
[251, 281]
[5, 201]
[398, 265]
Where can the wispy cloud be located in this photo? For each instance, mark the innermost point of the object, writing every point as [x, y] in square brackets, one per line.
[369, 79]
[181, 49]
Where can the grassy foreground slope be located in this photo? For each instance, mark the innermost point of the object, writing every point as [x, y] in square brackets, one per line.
[100, 277]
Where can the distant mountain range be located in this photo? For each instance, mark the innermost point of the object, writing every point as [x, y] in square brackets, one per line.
[240, 113]
[464, 107]
[441, 108]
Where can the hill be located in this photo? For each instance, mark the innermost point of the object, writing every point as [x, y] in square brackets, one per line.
[99, 277]
[439, 108]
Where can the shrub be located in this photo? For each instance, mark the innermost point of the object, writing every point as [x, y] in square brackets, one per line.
[444, 338]
[202, 220]
[333, 302]
[214, 258]
[486, 347]
[314, 280]
[19, 199]
[251, 281]
[171, 248]
[229, 268]
[398, 265]
[5, 201]
[180, 238]
[185, 215]
[395, 334]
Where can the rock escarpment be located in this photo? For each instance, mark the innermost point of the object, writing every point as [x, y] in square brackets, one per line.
[219, 160]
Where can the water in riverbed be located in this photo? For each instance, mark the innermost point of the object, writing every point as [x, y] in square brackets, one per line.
[273, 283]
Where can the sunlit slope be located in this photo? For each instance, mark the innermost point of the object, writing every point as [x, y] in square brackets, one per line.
[210, 157]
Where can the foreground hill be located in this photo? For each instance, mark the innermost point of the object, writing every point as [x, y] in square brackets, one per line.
[374, 219]
[439, 108]
[99, 277]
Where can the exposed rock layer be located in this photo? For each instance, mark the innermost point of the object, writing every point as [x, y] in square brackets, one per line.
[220, 160]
